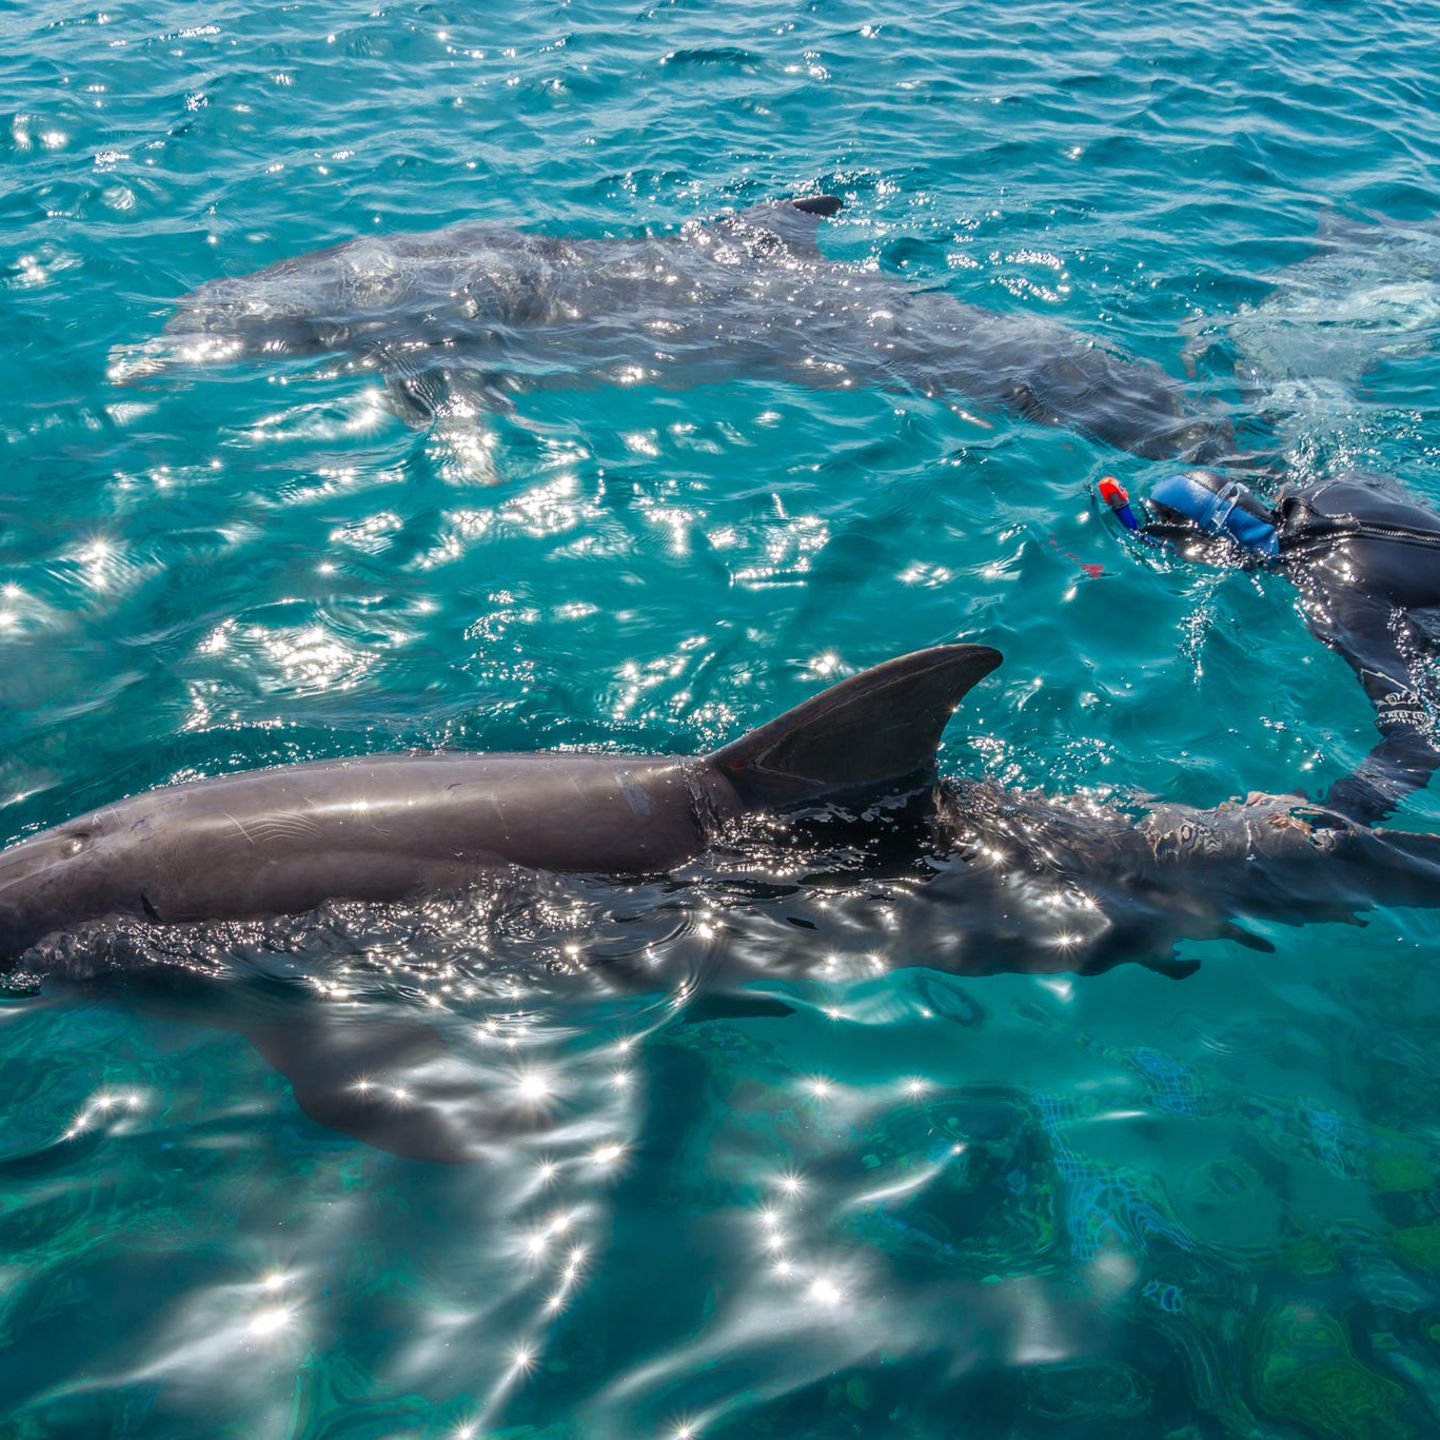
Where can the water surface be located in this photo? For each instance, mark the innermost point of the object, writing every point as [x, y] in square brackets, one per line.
[920, 1203]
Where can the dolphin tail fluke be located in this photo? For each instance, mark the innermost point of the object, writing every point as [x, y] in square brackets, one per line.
[875, 732]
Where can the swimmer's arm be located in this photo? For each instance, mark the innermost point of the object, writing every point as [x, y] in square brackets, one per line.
[1378, 643]
[1400, 763]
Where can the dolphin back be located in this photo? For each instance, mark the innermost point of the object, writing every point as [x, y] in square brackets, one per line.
[875, 732]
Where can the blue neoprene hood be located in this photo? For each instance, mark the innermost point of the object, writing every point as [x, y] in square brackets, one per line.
[1219, 508]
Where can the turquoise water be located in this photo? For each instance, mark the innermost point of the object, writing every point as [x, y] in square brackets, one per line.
[922, 1204]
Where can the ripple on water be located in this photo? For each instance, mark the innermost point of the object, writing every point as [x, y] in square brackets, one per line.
[750, 1161]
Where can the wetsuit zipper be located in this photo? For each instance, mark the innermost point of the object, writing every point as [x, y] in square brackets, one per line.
[1356, 530]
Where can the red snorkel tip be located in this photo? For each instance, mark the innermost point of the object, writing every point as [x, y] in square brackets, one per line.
[1112, 492]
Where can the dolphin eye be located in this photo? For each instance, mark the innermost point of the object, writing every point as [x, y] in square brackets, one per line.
[73, 844]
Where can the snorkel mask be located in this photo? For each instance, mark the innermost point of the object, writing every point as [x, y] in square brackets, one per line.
[1198, 499]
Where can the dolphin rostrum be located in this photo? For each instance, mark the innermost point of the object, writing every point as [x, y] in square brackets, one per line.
[988, 880]
[459, 319]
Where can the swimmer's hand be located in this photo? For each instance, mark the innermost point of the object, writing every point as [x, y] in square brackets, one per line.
[1265, 797]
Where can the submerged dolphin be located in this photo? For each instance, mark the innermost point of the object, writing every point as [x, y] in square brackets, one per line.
[995, 879]
[1370, 295]
[457, 319]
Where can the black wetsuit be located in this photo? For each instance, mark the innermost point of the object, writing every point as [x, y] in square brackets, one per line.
[1367, 566]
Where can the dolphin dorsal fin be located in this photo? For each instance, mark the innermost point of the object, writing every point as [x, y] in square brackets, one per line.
[876, 731]
[794, 222]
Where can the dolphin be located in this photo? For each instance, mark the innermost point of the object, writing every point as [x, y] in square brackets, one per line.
[389, 827]
[458, 320]
[1370, 295]
[978, 878]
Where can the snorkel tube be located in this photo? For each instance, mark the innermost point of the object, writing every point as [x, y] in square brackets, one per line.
[1200, 500]
[1114, 494]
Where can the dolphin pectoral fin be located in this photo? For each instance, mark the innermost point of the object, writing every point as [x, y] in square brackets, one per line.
[1241, 936]
[422, 398]
[874, 733]
[456, 409]
[387, 1080]
[393, 1084]
[1171, 966]
[415, 399]
[736, 1006]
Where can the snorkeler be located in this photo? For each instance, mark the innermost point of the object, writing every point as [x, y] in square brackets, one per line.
[1367, 566]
